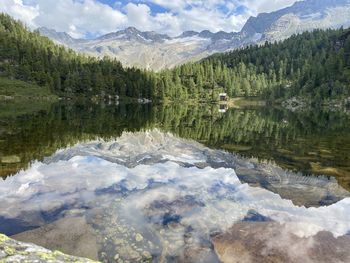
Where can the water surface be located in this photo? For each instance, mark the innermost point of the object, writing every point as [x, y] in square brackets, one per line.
[177, 183]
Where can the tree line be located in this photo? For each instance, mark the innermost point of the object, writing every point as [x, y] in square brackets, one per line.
[313, 64]
[30, 57]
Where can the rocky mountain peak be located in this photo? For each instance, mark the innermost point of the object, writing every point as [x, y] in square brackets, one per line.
[313, 9]
[152, 50]
[132, 30]
[189, 33]
[206, 34]
[154, 36]
[60, 37]
[133, 34]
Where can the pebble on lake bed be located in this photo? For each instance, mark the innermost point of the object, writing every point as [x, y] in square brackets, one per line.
[138, 237]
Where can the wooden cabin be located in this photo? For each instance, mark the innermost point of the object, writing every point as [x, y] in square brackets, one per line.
[223, 97]
[223, 108]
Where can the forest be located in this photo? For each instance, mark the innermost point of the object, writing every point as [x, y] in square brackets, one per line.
[30, 57]
[314, 64]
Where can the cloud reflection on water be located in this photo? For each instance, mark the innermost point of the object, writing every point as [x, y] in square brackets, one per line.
[164, 188]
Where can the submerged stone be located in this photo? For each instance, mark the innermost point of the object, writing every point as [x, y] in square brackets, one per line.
[138, 237]
[273, 242]
[147, 255]
[127, 252]
[71, 235]
[18, 252]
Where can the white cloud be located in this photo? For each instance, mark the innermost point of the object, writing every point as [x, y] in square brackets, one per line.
[79, 18]
[214, 15]
[261, 6]
[18, 10]
[139, 15]
[90, 18]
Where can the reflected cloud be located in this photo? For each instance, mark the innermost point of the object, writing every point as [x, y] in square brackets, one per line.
[151, 193]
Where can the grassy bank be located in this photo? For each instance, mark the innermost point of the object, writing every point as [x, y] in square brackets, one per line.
[16, 89]
[239, 102]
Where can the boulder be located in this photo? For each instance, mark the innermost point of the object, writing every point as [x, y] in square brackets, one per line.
[69, 235]
[272, 242]
[12, 251]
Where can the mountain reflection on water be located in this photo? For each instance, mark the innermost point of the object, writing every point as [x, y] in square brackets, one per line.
[177, 183]
[152, 196]
[314, 142]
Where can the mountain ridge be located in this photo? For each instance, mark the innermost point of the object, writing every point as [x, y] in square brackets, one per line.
[152, 50]
[150, 35]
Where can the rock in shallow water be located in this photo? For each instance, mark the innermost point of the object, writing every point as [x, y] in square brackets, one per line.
[138, 237]
[12, 251]
[70, 235]
[273, 242]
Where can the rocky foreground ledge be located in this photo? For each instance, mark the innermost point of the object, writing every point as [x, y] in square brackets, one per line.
[12, 251]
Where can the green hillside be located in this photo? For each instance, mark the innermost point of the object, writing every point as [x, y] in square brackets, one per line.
[30, 57]
[17, 89]
[314, 64]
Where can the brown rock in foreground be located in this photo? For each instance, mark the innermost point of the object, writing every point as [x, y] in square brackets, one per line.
[72, 236]
[272, 242]
[12, 251]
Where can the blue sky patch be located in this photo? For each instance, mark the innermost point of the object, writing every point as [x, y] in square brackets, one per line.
[91, 18]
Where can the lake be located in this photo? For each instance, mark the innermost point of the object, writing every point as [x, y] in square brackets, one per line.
[176, 183]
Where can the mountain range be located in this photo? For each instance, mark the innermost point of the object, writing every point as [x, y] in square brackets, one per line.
[155, 51]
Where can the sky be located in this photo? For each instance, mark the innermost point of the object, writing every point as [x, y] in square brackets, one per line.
[92, 18]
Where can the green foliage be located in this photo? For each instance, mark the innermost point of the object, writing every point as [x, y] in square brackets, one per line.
[295, 140]
[22, 90]
[313, 64]
[30, 57]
